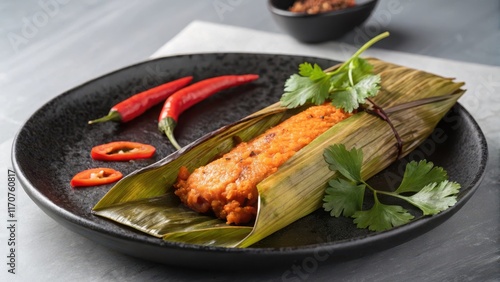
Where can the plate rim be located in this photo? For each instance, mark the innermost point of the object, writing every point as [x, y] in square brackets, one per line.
[58, 213]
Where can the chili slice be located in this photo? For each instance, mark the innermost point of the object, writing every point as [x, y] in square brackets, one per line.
[122, 151]
[95, 176]
[192, 94]
[139, 103]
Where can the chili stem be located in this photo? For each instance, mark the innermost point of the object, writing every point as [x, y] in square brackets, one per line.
[167, 126]
[112, 116]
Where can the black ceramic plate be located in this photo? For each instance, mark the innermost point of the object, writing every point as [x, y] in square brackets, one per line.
[55, 142]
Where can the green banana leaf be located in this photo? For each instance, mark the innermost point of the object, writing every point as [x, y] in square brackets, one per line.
[414, 100]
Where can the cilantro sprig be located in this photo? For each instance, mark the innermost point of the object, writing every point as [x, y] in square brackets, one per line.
[431, 191]
[346, 87]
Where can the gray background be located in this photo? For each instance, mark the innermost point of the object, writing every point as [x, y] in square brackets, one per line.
[80, 40]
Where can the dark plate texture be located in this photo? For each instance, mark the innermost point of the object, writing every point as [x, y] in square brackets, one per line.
[54, 144]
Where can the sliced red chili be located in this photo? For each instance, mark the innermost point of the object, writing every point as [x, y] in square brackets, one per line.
[122, 151]
[139, 103]
[192, 94]
[95, 176]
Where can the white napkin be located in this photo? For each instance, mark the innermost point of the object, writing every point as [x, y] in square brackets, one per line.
[482, 81]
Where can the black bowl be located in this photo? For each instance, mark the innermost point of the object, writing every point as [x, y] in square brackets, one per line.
[315, 28]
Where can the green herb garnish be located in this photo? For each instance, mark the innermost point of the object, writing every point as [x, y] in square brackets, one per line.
[431, 191]
[346, 87]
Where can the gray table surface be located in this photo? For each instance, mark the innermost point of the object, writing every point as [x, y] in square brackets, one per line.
[49, 46]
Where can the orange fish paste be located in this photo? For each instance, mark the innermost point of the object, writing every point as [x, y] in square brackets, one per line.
[227, 187]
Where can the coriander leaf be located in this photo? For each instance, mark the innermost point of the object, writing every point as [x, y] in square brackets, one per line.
[435, 197]
[382, 217]
[343, 197]
[361, 68]
[305, 69]
[434, 193]
[351, 83]
[339, 81]
[367, 87]
[313, 72]
[418, 175]
[345, 99]
[347, 163]
[299, 90]
[350, 98]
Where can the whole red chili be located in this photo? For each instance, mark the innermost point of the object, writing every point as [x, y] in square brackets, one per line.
[95, 176]
[139, 103]
[122, 151]
[192, 94]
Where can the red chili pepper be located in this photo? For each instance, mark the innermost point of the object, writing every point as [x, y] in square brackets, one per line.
[192, 94]
[139, 103]
[122, 151]
[95, 176]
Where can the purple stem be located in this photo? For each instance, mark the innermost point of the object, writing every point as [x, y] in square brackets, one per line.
[378, 111]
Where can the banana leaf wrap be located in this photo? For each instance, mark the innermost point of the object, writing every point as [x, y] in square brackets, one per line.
[415, 102]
